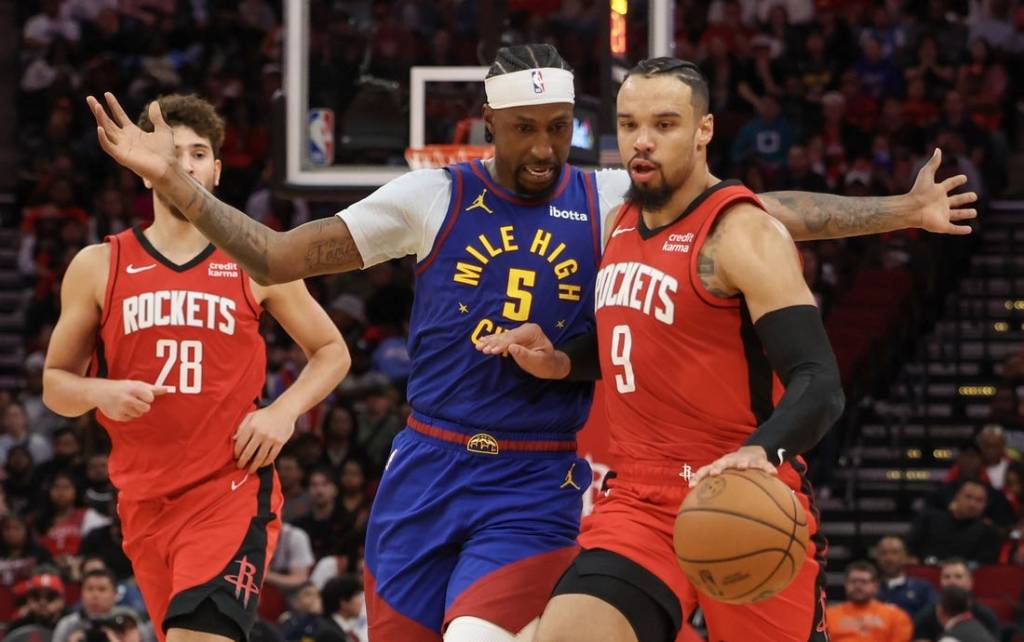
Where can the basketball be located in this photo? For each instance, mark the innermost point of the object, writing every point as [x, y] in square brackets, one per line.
[741, 537]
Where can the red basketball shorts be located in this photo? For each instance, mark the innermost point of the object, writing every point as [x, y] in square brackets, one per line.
[636, 519]
[212, 541]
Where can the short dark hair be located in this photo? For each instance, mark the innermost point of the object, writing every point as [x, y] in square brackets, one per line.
[339, 589]
[954, 561]
[685, 71]
[190, 111]
[529, 56]
[862, 565]
[954, 601]
[101, 572]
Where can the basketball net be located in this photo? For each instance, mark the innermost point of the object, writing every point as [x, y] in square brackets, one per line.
[442, 155]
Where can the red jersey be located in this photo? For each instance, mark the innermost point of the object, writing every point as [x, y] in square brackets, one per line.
[195, 329]
[687, 379]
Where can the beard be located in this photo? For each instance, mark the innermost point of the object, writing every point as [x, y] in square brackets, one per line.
[650, 198]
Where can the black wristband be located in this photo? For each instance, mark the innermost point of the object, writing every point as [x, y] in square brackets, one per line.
[584, 362]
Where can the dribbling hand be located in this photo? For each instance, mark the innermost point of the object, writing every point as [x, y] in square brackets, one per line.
[260, 437]
[531, 349]
[126, 399]
[747, 457]
[148, 154]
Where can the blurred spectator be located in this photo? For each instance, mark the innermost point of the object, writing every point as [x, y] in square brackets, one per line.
[67, 457]
[956, 531]
[296, 499]
[767, 137]
[304, 619]
[20, 553]
[16, 433]
[44, 603]
[99, 492]
[339, 436]
[62, 522]
[798, 173]
[293, 560]
[955, 574]
[99, 597]
[862, 618]
[343, 604]
[326, 522]
[994, 455]
[128, 593]
[105, 543]
[958, 624]
[878, 75]
[19, 474]
[909, 593]
[378, 423]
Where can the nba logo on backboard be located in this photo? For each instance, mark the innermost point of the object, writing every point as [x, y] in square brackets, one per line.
[321, 137]
[538, 82]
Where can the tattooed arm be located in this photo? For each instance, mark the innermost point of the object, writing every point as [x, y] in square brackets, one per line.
[269, 257]
[928, 205]
[318, 247]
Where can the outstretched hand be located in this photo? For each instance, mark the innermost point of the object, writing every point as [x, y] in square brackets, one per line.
[531, 349]
[938, 207]
[148, 154]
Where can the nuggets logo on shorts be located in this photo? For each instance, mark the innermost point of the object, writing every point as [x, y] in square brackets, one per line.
[483, 444]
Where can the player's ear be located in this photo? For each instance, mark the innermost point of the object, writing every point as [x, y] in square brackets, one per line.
[488, 124]
[217, 166]
[705, 131]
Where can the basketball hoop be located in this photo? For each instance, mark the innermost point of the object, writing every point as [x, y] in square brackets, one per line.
[441, 155]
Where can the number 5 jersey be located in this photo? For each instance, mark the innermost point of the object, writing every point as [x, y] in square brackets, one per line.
[193, 328]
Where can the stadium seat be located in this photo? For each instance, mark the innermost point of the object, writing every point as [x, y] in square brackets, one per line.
[930, 573]
[1002, 580]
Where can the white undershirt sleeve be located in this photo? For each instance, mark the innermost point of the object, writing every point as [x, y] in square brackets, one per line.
[612, 185]
[402, 217]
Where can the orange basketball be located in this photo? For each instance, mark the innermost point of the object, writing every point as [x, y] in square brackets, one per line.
[741, 537]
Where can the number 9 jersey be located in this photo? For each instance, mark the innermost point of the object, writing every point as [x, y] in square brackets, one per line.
[193, 328]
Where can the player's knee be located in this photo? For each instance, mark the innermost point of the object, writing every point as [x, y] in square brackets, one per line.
[474, 629]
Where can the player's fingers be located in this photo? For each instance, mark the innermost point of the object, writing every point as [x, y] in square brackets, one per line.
[143, 393]
[100, 114]
[958, 230]
[116, 110]
[933, 163]
[534, 362]
[259, 459]
[954, 182]
[959, 200]
[274, 452]
[105, 143]
[156, 116]
[248, 452]
[494, 343]
[159, 390]
[965, 214]
[701, 473]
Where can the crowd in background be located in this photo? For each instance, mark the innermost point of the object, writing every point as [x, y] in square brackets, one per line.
[843, 96]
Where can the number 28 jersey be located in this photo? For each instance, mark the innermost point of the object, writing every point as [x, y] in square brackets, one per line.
[193, 328]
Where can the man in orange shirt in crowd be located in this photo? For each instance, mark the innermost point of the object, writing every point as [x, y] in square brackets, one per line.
[862, 618]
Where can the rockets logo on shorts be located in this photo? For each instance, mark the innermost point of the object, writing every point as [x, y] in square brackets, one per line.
[245, 581]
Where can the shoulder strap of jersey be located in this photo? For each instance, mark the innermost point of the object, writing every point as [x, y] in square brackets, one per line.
[454, 207]
[115, 241]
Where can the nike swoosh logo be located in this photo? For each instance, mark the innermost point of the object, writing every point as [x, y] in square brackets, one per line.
[782, 456]
[131, 269]
[622, 230]
[236, 486]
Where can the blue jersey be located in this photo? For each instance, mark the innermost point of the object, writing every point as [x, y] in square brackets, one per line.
[500, 261]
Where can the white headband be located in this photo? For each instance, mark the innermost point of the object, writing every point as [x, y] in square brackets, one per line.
[530, 87]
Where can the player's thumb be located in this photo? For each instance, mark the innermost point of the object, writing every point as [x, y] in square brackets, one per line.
[159, 390]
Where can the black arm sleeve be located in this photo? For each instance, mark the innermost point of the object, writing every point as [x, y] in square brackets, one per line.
[585, 364]
[798, 350]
